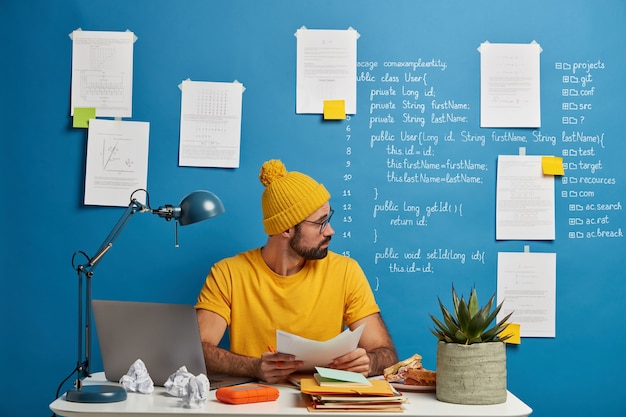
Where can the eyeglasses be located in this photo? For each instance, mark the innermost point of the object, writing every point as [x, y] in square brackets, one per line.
[324, 223]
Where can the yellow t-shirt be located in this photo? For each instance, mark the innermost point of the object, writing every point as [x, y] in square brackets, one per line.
[315, 303]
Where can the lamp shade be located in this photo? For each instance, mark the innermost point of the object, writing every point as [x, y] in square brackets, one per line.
[198, 206]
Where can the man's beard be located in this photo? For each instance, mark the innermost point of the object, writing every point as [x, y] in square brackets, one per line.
[309, 254]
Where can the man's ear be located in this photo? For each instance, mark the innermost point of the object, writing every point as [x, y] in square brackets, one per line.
[289, 232]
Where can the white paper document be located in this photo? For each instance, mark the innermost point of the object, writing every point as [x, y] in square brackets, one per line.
[509, 85]
[102, 72]
[524, 199]
[210, 124]
[117, 161]
[315, 353]
[527, 286]
[326, 69]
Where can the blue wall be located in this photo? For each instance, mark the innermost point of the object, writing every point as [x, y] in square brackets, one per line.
[578, 373]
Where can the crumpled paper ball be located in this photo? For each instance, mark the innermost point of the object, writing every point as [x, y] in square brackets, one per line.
[194, 390]
[177, 383]
[197, 391]
[138, 379]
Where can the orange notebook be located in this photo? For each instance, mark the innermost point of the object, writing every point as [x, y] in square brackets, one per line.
[379, 387]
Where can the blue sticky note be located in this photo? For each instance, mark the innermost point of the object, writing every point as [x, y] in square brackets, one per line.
[337, 375]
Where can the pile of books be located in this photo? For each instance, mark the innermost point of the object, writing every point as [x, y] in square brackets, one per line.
[334, 390]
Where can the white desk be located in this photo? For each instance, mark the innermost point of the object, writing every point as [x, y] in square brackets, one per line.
[289, 404]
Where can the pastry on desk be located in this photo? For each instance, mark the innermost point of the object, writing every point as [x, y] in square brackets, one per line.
[411, 372]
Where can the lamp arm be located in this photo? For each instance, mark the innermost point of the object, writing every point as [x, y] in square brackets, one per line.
[132, 208]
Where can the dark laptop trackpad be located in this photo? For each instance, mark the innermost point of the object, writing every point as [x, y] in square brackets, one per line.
[221, 380]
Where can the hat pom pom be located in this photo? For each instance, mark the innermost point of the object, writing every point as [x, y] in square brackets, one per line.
[272, 170]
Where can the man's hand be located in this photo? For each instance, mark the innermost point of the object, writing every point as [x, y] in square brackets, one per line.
[377, 343]
[276, 367]
[356, 361]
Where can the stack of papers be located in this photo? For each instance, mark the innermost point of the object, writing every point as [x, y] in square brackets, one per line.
[355, 403]
[334, 390]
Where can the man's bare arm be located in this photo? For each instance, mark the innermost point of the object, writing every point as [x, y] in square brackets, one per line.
[270, 367]
[377, 343]
[212, 327]
[221, 361]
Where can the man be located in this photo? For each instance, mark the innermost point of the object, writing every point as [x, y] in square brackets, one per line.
[294, 284]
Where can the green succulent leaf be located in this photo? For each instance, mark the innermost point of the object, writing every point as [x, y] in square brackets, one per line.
[448, 318]
[473, 303]
[492, 316]
[494, 332]
[461, 337]
[463, 314]
[455, 299]
[487, 308]
[443, 331]
[476, 327]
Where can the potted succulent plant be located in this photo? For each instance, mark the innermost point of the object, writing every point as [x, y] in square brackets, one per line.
[471, 355]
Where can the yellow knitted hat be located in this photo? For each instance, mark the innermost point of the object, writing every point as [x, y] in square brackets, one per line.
[289, 197]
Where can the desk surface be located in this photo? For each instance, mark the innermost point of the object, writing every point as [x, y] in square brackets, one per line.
[289, 404]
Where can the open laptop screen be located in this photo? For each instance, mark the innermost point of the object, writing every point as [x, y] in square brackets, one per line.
[164, 336]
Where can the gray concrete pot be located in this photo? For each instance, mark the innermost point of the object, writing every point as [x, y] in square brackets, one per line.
[471, 374]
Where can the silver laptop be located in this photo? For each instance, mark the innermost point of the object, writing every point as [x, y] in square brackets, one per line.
[164, 336]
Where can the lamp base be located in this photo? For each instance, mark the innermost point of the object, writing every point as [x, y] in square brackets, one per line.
[97, 394]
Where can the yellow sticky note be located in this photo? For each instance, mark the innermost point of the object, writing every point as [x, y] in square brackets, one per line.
[82, 116]
[512, 329]
[334, 109]
[552, 165]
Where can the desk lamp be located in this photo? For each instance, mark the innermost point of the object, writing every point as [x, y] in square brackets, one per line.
[195, 207]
